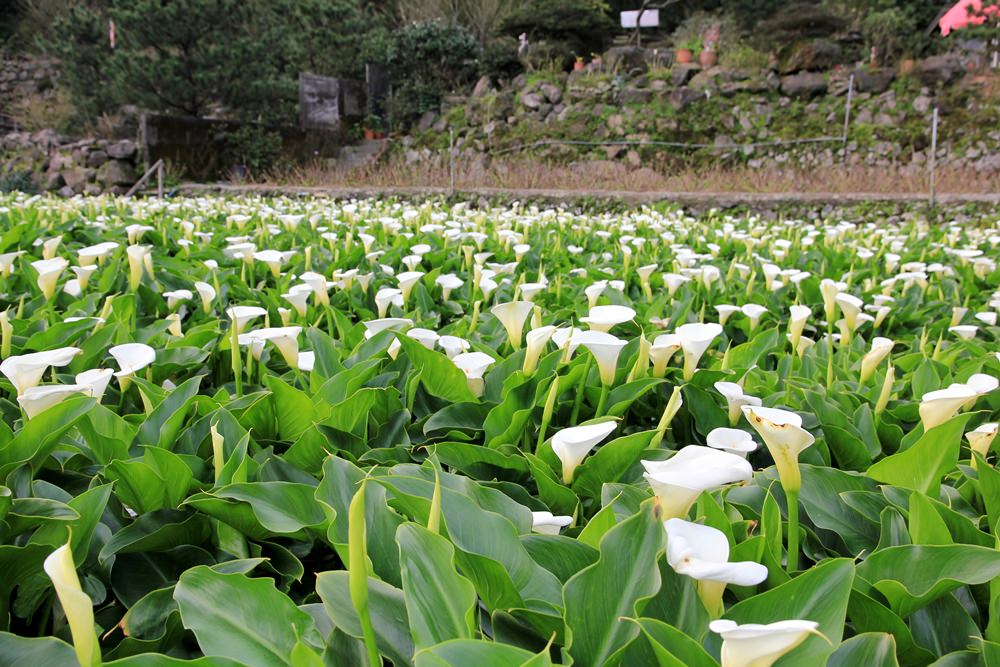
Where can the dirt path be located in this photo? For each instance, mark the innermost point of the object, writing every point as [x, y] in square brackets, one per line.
[695, 199]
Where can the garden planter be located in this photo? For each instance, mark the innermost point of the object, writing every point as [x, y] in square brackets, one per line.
[708, 59]
[683, 56]
[578, 66]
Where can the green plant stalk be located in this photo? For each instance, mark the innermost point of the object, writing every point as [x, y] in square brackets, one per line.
[357, 571]
[234, 341]
[792, 498]
[605, 389]
[550, 404]
[578, 400]
[434, 515]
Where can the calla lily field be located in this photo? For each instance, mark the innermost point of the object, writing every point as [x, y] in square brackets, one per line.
[316, 432]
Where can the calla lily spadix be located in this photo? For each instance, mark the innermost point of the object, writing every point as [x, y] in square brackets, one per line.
[26, 370]
[752, 645]
[603, 318]
[702, 553]
[880, 349]
[545, 523]
[735, 400]
[679, 480]
[731, 440]
[573, 444]
[243, 315]
[76, 604]
[474, 365]
[663, 348]
[937, 407]
[512, 316]
[695, 340]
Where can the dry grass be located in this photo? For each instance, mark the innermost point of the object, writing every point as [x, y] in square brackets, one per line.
[608, 176]
[39, 111]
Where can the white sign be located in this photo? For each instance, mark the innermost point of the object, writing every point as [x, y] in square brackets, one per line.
[650, 19]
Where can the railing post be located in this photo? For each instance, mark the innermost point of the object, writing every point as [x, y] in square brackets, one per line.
[451, 161]
[159, 179]
[847, 115]
[933, 161]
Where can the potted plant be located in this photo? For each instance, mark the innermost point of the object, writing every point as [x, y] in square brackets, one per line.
[684, 54]
[595, 61]
[373, 127]
[578, 64]
[710, 40]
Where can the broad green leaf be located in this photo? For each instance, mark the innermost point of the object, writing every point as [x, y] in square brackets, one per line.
[439, 601]
[247, 620]
[598, 598]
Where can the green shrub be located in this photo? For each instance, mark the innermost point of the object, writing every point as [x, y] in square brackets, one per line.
[887, 32]
[582, 25]
[255, 147]
[18, 181]
[427, 61]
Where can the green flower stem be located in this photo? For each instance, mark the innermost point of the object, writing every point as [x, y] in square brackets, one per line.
[605, 389]
[237, 359]
[792, 498]
[578, 401]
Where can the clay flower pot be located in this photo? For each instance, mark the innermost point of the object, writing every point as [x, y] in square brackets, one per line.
[683, 56]
[708, 59]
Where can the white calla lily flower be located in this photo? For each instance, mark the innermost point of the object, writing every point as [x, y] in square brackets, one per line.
[735, 399]
[26, 370]
[731, 440]
[603, 318]
[49, 271]
[695, 340]
[546, 523]
[76, 604]
[243, 315]
[702, 553]
[573, 444]
[752, 645]
[512, 316]
[679, 480]
[131, 358]
[605, 348]
[937, 407]
[782, 433]
[474, 365]
[36, 400]
[663, 348]
[880, 349]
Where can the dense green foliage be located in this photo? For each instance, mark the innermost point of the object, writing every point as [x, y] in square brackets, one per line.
[202, 57]
[497, 436]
